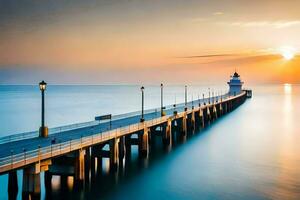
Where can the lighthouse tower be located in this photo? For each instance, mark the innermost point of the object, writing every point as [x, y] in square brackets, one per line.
[235, 84]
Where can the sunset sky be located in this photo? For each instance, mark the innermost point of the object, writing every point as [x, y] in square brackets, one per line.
[136, 41]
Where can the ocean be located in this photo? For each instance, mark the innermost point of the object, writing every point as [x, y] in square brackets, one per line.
[250, 153]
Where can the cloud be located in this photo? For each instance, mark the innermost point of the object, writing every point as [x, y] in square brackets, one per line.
[218, 13]
[274, 24]
[209, 56]
[232, 58]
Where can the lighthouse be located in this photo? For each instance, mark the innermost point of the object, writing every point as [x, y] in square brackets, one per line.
[235, 84]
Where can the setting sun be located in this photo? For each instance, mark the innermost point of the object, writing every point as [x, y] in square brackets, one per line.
[287, 53]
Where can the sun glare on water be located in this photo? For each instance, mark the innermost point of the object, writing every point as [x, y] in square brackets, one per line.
[287, 88]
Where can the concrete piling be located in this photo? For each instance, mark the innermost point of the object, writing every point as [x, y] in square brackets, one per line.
[122, 148]
[144, 142]
[201, 117]
[31, 183]
[184, 124]
[114, 153]
[128, 145]
[193, 121]
[167, 134]
[12, 184]
[79, 165]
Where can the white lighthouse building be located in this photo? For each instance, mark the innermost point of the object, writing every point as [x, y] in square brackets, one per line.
[235, 84]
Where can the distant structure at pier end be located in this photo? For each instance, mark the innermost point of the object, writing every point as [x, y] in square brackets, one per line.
[235, 84]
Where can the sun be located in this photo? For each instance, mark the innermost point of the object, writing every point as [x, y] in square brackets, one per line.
[287, 53]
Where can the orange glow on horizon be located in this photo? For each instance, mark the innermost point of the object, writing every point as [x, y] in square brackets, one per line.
[173, 38]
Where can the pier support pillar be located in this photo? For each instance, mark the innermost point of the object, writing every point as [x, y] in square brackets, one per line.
[227, 107]
[128, 146]
[122, 149]
[193, 121]
[184, 124]
[48, 186]
[221, 109]
[144, 142]
[215, 113]
[88, 158]
[167, 134]
[79, 165]
[47, 179]
[12, 184]
[64, 183]
[201, 118]
[218, 110]
[204, 113]
[31, 184]
[208, 115]
[114, 153]
[211, 113]
[96, 153]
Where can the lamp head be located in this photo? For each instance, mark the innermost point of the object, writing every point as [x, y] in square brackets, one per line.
[142, 88]
[42, 85]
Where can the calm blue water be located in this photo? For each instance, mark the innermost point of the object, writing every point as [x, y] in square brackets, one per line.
[20, 105]
[251, 153]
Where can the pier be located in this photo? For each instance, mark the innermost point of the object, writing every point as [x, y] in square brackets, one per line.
[80, 147]
[75, 148]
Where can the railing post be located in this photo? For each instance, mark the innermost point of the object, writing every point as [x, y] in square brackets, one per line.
[70, 145]
[12, 159]
[39, 153]
[24, 152]
[60, 148]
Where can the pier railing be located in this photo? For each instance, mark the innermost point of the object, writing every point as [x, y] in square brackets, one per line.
[42, 153]
[33, 134]
[90, 137]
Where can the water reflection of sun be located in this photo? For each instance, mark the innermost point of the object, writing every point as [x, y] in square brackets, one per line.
[288, 168]
[287, 105]
[287, 88]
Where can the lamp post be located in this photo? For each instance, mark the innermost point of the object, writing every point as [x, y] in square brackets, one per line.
[199, 100]
[142, 90]
[208, 95]
[43, 129]
[174, 106]
[221, 96]
[192, 101]
[203, 99]
[161, 99]
[185, 97]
